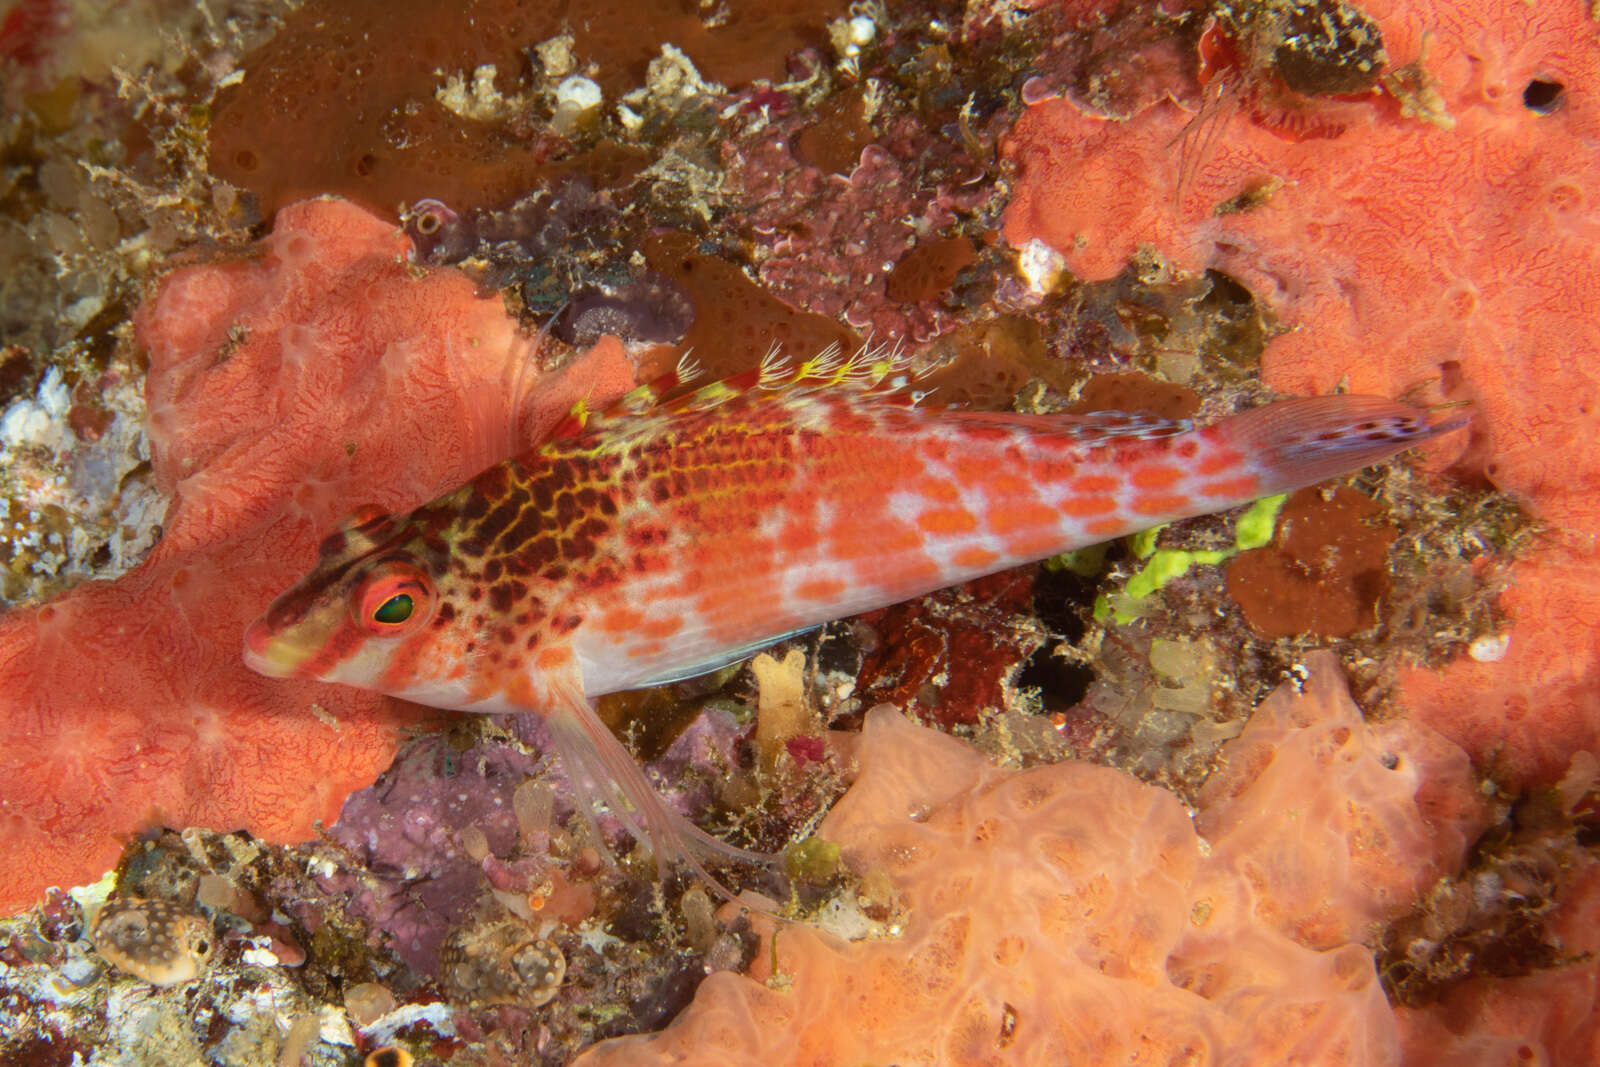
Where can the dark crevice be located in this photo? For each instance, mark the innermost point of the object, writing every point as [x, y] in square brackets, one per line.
[1542, 96]
[1061, 682]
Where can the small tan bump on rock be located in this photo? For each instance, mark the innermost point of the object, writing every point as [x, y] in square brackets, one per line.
[163, 943]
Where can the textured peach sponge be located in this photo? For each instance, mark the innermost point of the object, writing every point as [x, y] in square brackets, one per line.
[1070, 914]
[1377, 812]
[284, 390]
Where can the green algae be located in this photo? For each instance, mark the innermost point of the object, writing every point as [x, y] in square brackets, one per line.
[1254, 529]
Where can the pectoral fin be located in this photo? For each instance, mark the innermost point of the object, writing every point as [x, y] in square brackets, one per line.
[603, 771]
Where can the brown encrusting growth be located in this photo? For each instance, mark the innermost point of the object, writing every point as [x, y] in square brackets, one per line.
[1323, 574]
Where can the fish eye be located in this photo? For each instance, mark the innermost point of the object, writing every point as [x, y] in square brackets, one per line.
[395, 610]
[393, 599]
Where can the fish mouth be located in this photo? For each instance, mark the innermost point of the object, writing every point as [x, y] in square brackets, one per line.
[275, 658]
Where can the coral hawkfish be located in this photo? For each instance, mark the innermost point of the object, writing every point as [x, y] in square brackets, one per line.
[664, 538]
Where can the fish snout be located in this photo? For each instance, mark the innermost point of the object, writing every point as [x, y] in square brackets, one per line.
[267, 655]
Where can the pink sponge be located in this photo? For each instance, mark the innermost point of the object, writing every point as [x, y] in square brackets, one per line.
[285, 389]
[1071, 914]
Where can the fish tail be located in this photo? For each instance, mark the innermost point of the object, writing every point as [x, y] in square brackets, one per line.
[1302, 441]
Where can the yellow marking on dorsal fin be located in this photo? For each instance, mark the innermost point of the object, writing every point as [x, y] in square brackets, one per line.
[643, 398]
[639, 400]
[868, 368]
[580, 412]
[708, 396]
[882, 369]
[827, 367]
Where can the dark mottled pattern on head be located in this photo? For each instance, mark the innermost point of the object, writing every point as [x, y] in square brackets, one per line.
[362, 531]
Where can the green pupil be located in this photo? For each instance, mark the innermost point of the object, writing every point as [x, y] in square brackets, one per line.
[396, 609]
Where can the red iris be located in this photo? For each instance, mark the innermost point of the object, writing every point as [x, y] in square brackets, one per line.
[395, 598]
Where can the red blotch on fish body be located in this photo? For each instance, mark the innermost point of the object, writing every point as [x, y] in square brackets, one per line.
[889, 537]
[1096, 483]
[1242, 488]
[1020, 516]
[938, 491]
[798, 534]
[661, 628]
[947, 521]
[972, 470]
[1218, 462]
[1002, 483]
[1160, 504]
[1033, 543]
[820, 589]
[1085, 506]
[621, 620]
[126, 701]
[975, 557]
[1153, 477]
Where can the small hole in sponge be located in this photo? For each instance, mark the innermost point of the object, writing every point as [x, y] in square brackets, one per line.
[1542, 96]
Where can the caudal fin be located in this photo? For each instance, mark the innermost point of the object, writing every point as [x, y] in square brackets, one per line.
[1305, 440]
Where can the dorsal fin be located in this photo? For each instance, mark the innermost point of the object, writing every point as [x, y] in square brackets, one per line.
[882, 371]
[636, 401]
[1091, 427]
